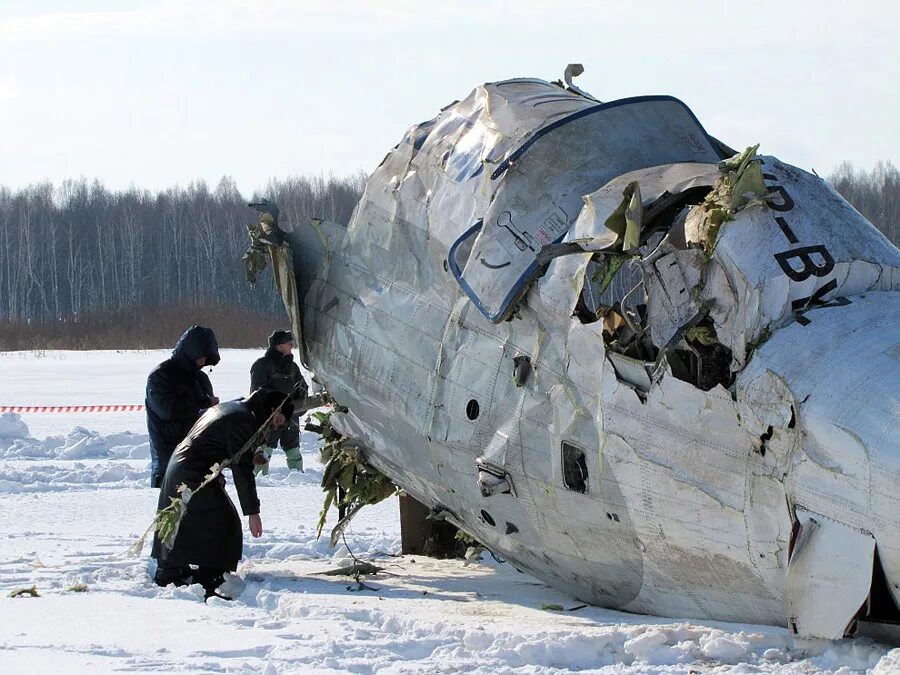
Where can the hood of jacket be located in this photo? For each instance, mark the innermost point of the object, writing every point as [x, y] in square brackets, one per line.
[197, 341]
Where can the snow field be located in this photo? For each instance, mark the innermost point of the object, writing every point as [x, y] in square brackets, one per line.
[74, 494]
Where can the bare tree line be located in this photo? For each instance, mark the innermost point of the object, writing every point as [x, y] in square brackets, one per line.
[80, 249]
[874, 193]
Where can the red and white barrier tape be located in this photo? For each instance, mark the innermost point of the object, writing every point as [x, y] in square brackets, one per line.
[69, 408]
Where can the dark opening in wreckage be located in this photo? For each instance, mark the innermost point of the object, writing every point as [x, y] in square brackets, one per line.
[649, 288]
[667, 300]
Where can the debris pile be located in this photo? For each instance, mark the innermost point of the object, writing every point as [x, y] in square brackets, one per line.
[648, 286]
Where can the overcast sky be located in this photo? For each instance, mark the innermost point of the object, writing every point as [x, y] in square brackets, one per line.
[158, 92]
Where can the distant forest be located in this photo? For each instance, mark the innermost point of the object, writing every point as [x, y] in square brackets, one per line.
[85, 267]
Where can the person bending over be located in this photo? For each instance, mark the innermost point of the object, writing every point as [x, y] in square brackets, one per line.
[210, 534]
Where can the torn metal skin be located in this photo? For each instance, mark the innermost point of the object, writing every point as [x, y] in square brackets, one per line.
[710, 342]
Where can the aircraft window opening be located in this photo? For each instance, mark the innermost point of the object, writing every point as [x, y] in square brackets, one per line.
[521, 369]
[488, 518]
[575, 473]
[472, 409]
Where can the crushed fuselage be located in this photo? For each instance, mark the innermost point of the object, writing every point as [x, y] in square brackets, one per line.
[712, 355]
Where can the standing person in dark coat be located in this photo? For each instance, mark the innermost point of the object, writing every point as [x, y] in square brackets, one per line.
[209, 535]
[276, 370]
[177, 392]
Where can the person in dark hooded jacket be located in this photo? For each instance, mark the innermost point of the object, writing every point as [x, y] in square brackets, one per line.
[210, 533]
[177, 392]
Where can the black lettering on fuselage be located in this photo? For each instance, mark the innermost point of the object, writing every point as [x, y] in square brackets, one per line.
[788, 232]
[815, 298]
[813, 260]
[809, 267]
[786, 202]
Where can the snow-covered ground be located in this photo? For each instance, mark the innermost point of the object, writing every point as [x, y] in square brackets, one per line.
[74, 496]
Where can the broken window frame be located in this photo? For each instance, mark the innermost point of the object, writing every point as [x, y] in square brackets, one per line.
[577, 463]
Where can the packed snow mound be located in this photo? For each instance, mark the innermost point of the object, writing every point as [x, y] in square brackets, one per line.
[12, 427]
[890, 663]
[303, 544]
[72, 476]
[80, 443]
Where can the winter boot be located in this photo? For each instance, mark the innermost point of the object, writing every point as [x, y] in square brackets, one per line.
[179, 575]
[294, 459]
[261, 461]
[210, 578]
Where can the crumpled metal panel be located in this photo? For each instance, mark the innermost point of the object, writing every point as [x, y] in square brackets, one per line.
[824, 592]
[689, 494]
[776, 259]
[671, 280]
[556, 292]
[540, 188]
[841, 444]
[673, 178]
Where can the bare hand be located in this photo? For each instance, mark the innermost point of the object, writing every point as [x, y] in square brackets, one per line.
[255, 523]
[213, 400]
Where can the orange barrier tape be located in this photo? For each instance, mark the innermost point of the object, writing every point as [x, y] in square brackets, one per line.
[69, 408]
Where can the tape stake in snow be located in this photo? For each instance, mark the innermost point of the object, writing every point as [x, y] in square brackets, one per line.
[69, 408]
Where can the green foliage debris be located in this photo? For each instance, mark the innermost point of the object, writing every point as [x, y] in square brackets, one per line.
[349, 481]
[739, 185]
[168, 520]
[607, 268]
[466, 538]
[704, 335]
[628, 218]
[25, 593]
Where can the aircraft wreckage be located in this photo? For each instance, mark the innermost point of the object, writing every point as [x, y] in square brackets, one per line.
[658, 374]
